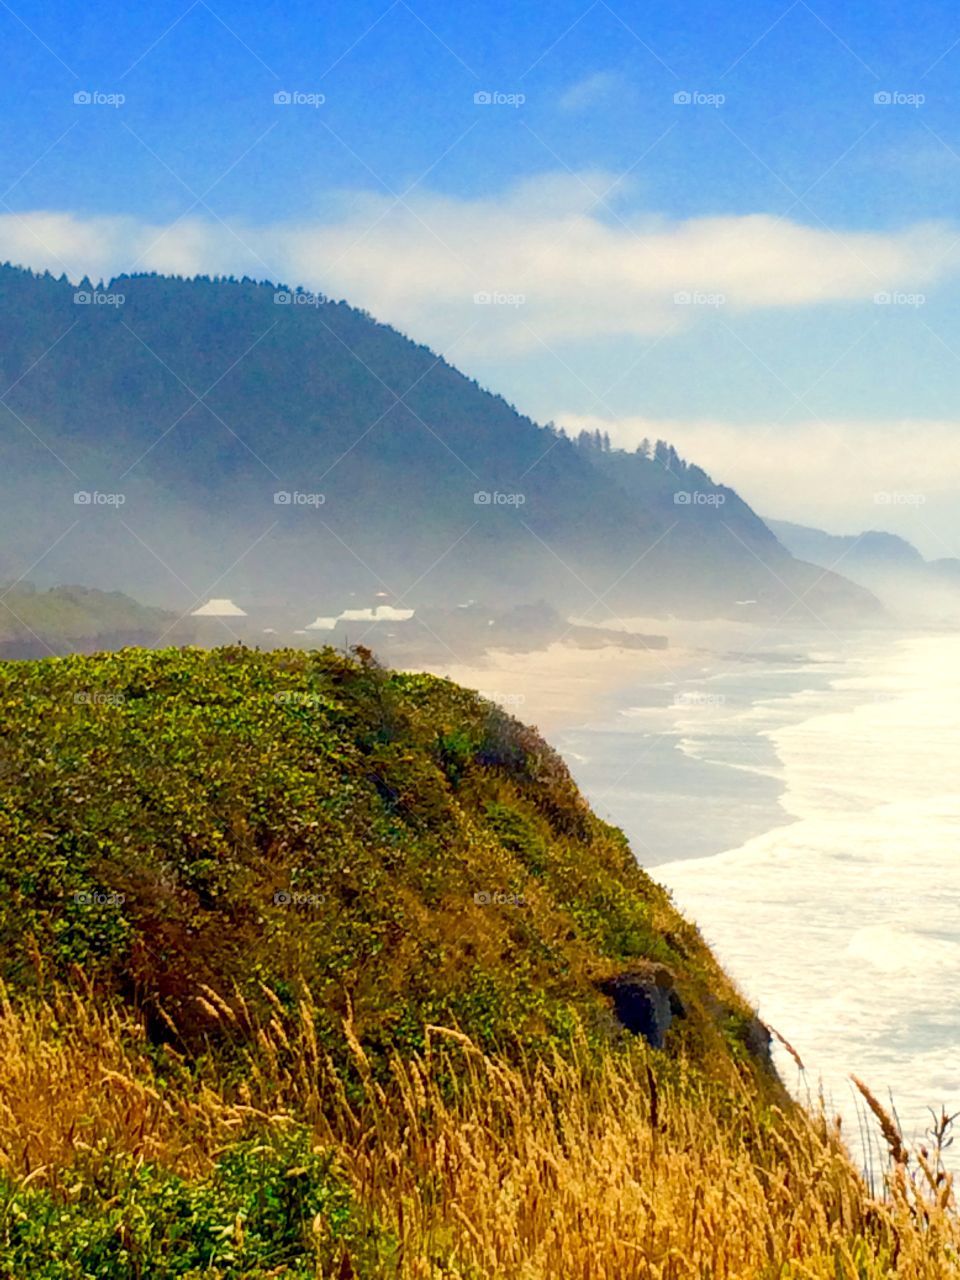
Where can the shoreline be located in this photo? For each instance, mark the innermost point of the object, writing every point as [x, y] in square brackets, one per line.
[813, 917]
[563, 687]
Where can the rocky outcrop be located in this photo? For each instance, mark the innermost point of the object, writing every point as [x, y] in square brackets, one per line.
[645, 1001]
[757, 1038]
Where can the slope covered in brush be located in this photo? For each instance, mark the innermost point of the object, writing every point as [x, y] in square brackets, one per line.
[176, 821]
[312, 970]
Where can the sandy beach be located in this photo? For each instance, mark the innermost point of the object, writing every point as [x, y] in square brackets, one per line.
[563, 686]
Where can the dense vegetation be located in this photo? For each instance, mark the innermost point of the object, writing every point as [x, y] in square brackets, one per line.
[184, 408]
[238, 819]
[307, 971]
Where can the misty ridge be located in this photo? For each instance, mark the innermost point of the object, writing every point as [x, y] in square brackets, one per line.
[175, 439]
[913, 588]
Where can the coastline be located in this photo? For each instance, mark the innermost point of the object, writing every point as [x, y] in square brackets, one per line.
[839, 921]
[563, 686]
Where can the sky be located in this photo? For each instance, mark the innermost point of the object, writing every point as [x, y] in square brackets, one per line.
[737, 227]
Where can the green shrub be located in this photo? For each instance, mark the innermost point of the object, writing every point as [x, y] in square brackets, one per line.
[266, 1209]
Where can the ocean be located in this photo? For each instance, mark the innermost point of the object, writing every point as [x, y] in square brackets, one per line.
[804, 810]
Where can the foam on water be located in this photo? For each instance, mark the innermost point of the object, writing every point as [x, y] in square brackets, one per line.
[844, 924]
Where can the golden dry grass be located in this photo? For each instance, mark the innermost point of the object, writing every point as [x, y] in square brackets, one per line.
[630, 1166]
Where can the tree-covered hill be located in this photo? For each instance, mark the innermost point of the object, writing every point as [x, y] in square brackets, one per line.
[148, 429]
[234, 819]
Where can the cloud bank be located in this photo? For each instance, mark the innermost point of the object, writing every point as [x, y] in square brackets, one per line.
[550, 261]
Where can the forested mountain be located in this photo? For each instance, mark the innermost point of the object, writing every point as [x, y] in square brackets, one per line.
[178, 438]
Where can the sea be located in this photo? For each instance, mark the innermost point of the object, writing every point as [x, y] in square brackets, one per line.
[803, 807]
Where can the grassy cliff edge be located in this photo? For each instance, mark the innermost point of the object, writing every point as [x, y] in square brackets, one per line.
[314, 969]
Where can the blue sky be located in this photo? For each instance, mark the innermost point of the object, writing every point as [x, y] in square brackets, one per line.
[399, 79]
[782, 200]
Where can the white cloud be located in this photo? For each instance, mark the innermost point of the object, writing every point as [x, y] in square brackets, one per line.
[559, 266]
[592, 91]
[826, 474]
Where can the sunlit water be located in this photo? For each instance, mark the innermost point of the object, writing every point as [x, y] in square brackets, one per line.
[826, 798]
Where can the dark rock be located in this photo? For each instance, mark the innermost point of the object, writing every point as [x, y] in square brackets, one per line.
[758, 1039]
[645, 1001]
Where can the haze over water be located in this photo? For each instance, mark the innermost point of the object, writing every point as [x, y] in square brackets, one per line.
[840, 918]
